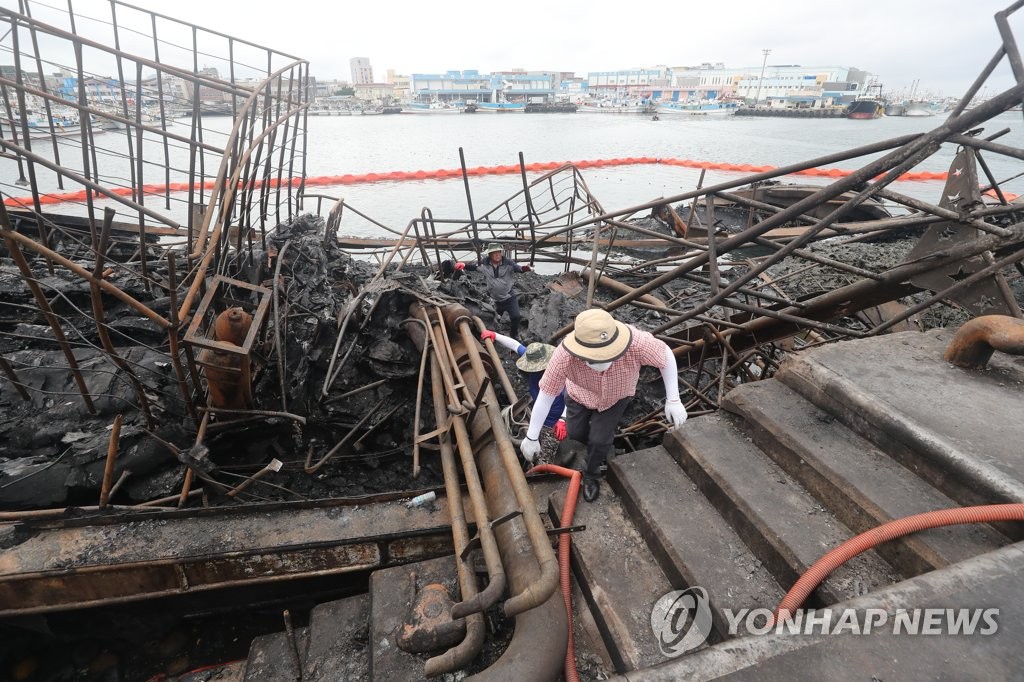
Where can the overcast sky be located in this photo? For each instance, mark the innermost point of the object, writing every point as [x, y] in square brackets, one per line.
[943, 43]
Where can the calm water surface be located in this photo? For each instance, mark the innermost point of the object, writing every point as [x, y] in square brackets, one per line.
[408, 142]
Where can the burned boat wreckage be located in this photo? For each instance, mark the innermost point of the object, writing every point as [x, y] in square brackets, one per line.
[213, 408]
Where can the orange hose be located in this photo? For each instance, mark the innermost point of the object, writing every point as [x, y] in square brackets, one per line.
[889, 531]
[564, 541]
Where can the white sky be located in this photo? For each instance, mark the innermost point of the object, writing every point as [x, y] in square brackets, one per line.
[944, 43]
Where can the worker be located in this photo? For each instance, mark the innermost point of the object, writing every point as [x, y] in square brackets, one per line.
[497, 270]
[598, 365]
[532, 360]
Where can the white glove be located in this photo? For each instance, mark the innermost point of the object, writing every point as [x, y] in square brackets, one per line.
[675, 413]
[530, 449]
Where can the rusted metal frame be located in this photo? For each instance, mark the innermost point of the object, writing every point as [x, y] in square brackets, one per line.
[13, 377]
[100, 247]
[942, 212]
[992, 182]
[722, 374]
[531, 214]
[620, 287]
[270, 153]
[499, 369]
[22, 106]
[1009, 42]
[163, 119]
[469, 202]
[428, 222]
[173, 346]
[986, 71]
[284, 149]
[987, 145]
[197, 123]
[46, 102]
[257, 413]
[140, 178]
[89, 184]
[821, 260]
[671, 239]
[753, 293]
[291, 154]
[419, 242]
[87, 109]
[312, 469]
[71, 36]
[846, 155]
[709, 208]
[693, 204]
[44, 305]
[866, 293]
[478, 602]
[539, 591]
[228, 188]
[892, 165]
[356, 391]
[136, 182]
[1003, 286]
[592, 283]
[278, 345]
[990, 269]
[249, 177]
[108, 467]
[109, 288]
[332, 374]
[439, 342]
[795, 319]
[5, 97]
[460, 655]
[419, 400]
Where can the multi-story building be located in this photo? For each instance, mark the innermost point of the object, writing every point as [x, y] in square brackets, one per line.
[362, 72]
[627, 83]
[401, 83]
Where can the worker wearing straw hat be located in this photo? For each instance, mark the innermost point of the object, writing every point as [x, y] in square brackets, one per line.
[497, 270]
[533, 360]
[598, 365]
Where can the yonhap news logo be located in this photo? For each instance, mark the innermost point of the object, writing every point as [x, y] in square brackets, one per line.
[681, 621]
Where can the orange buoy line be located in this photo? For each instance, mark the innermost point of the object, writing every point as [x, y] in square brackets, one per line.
[449, 173]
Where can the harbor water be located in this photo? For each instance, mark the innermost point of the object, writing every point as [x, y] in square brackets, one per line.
[339, 145]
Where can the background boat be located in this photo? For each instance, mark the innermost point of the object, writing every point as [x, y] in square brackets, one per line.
[865, 108]
[697, 109]
[431, 108]
[501, 107]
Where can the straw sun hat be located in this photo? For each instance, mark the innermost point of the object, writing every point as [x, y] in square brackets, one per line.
[597, 337]
[536, 357]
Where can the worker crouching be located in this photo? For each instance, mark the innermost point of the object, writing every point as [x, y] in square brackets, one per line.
[598, 366]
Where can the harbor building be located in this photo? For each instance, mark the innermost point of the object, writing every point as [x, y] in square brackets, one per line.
[361, 70]
[500, 86]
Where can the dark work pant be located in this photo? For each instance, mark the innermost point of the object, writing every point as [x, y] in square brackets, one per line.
[595, 429]
[510, 306]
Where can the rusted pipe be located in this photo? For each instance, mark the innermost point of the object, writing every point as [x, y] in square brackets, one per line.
[460, 655]
[20, 387]
[108, 467]
[973, 344]
[492, 559]
[499, 369]
[44, 306]
[619, 287]
[539, 591]
[419, 399]
[274, 466]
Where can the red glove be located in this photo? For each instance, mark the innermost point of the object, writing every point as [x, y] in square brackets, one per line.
[460, 266]
[526, 268]
[560, 431]
[487, 334]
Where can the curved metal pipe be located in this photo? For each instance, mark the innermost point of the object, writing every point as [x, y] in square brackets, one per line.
[973, 344]
[461, 654]
[477, 601]
[540, 590]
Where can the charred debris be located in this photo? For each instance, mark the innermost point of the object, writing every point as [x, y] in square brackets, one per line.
[121, 388]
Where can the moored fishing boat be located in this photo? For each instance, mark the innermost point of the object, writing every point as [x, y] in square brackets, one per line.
[501, 107]
[698, 108]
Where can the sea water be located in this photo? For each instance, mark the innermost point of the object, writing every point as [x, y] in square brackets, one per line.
[408, 142]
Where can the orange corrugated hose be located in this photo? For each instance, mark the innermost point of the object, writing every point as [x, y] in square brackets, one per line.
[564, 540]
[889, 531]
